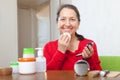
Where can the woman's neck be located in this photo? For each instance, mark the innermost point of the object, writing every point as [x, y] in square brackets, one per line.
[73, 39]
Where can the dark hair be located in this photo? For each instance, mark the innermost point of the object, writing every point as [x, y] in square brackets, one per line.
[70, 6]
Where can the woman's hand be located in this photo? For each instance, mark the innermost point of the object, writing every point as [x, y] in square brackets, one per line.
[88, 51]
[63, 42]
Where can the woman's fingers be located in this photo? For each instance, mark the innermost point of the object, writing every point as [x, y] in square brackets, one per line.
[63, 42]
[88, 52]
[64, 39]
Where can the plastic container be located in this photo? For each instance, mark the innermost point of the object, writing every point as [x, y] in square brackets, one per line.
[27, 65]
[28, 53]
[81, 67]
[14, 66]
[40, 61]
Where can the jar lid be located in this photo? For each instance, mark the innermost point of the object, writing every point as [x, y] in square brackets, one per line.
[28, 51]
[14, 63]
[27, 59]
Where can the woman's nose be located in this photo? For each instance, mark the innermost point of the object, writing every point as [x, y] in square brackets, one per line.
[67, 22]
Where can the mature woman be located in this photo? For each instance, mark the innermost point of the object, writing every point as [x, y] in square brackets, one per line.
[61, 54]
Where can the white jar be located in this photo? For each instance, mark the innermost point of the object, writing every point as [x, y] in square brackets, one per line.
[27, 65]
[81, 67]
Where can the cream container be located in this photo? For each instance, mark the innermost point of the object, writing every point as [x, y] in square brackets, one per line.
[27, 65]
[81, 67]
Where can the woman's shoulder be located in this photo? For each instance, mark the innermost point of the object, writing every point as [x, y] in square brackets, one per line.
[51, 46]
[87, 40]
[52, 43]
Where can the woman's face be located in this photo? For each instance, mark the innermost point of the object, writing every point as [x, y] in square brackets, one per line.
[68, 21]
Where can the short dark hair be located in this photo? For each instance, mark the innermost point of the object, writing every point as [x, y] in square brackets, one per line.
[70, 6]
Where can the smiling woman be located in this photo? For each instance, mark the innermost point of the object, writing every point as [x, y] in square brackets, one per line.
[61, 53]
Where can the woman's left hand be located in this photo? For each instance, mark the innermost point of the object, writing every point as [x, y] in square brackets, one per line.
[88, 51]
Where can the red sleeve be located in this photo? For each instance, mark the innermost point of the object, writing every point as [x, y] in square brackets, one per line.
[54, 58]
[94, 61]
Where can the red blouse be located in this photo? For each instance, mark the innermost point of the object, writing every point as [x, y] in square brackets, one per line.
[56, 60]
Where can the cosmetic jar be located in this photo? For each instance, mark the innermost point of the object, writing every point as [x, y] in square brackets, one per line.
[81, 67]
[27, 65]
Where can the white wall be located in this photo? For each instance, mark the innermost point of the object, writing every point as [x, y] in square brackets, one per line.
[33, 27]
[100, 21]
[65, 2]
[43, 20]
[27, 26]
[54, 5]
[8, 32]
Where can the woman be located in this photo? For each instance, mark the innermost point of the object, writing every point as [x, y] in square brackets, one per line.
[62, 54]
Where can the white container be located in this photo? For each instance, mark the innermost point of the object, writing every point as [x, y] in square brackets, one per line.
[81, 67]
[27, 65]
[28, 53]
[14, 66]
[40, 61]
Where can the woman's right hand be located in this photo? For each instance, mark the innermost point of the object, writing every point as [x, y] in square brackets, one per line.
[63, 42]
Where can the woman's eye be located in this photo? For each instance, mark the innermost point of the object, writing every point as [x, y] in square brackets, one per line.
[72, 19]
[62, 19]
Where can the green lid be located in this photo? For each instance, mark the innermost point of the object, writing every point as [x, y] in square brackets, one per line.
[28, 51]
[14, 64]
